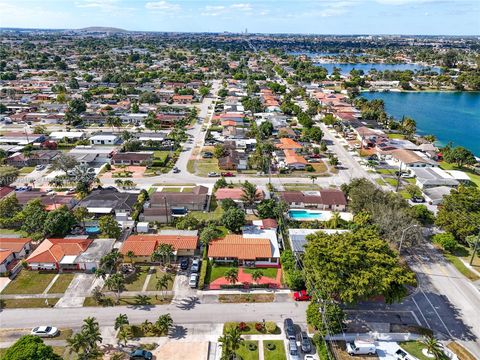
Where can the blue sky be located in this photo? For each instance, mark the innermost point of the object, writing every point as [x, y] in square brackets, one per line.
[450, 17]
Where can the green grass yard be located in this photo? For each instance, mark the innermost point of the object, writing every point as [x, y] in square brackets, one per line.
[204, 166]
[267, 272]
[29, 282]
[475, 178]
[27, 303]
[155, 276]
[278, 353]
[136, 283]
[61, 284]
[414, 348]
[246, 353]
[171, 189]
[130, 300]
[218, 272]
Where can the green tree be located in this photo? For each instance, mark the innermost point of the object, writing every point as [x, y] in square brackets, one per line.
[9, 209]
[163, 254]
[433, 347]
[232, 275]
[257, 275]
[230, 343]
[218, 151]
[116, 283]
[73, 83]
[30, 347]
[85, 342]
[266, 129]
[250, 195]
[422, 214]
[233, 219]
[33, 216]
[59, 222]
[77, 106]
[188, 222]
[331, 313]
[228, 203]
[446, 241]
[409, 125]
[163, 282]
[208, 234]
[121, 320]
[124, 334]
[8, 174]
[355, 266]
[163, 324]
[460, 156]
[109, 226]
[81, 214]
[64, 162]
[266, 209]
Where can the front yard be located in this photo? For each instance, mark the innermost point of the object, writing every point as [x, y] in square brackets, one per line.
[158, 273]
[414, 348]
[275, 351]
[136, 282]
[29, 282]
[61, 284]
[248, 350]
[28, 303]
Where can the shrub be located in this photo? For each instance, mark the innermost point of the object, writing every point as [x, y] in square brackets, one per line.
[252, 346]
[446, 241]
[271, 327]
[259, 327]
[309, 168]
[242, 326]
[203, 274]
[271, 346]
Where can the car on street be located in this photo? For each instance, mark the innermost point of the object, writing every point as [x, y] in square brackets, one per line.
[195, 265]
[184, 264]
[289, 328]
[192, 281]
[305, 342]
[39, 167]
[44, 331]
[176, 170]
[301, 295]
[23, 188]
[213, 174]
[228, 174]
[141, 354]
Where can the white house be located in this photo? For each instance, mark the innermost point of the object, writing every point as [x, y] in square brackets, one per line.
[104, 139]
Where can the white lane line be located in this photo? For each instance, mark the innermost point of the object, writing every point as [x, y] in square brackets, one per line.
[416, 318]
[436, 312]
[421, 313]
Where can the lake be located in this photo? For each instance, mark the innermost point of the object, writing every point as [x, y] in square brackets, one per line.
[450, 116]
[366, 67]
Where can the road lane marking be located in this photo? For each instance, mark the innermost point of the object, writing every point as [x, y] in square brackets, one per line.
[436, 312]
[416, 318]
[421, 313]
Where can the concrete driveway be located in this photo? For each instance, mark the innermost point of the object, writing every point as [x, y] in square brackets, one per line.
[79, 288]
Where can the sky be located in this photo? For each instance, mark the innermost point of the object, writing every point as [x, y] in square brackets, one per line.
[425, 17]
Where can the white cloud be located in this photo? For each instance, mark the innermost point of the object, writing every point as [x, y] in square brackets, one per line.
[162, 6]
[242, 6]
[217, 10]
[104, 5]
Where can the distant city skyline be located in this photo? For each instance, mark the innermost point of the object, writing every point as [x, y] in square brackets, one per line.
[423, 17]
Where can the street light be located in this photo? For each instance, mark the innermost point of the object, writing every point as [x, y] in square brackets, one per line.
[403, 236]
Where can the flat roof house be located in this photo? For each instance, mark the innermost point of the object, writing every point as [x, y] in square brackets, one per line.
[236, 194]
[12, 250]
[324, 199]
[143, 158]
[298, 237]
[410, 159]
[104, 139]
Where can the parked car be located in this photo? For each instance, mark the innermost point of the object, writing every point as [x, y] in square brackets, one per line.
[358, 347]
[213, 174]
[293, 353]
[39, 167]
[23, 188]
[301, 295]
[418, 199]
[140, 354]
[401, 355]
[192, 282]
[207, 155]
[313, 160]
[184, 264]
[176, 170]
[44, 331]
[195, 265]
[305, 342]
[289, 328]
[309, 357]
[228, 174]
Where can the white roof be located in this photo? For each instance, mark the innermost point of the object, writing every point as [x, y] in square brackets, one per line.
[68, 259]
[68, 134]
[103, 137]
[254, 232]
[99, 210]
[459, 175]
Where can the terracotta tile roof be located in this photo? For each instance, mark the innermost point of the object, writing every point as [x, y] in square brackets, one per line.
[269, 223]
[235, 194]
[4, 254]
[291, 157]
[287, 143]
[237, 246]
[53, 250]
[145, 245]
[14, 244]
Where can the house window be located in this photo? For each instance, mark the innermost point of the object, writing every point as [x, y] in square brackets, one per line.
[263, 259]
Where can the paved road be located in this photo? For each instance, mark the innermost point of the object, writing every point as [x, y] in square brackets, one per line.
[189, 311]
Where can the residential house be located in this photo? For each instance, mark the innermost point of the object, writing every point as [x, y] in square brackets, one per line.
[298, 237]
[12, 250]
[68, 135]
[432, 177]
[91, 155]
[230, 161]
[182, 99]
[21, 138]
[143, 158]
[246, 251]
[293, 160]
[236, 194]
[184, 243]
[325, 199]
[49, 201]
[104, 139]
[407, 159]
[288, 144]
[40, 157]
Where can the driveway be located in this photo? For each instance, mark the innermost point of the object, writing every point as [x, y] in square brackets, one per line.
[76, 292]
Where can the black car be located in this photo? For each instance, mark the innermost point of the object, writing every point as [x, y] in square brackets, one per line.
[305, 342]
[184, 264]
[418, 199]
[141, 354]
[289, 329]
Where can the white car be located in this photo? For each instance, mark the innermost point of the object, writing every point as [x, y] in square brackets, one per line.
[44, 331]
[192, 282]
[195, 266]
[309, 357]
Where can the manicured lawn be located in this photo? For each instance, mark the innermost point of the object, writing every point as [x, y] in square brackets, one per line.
[250, 329]
[129, 300]
[191, 166]
[391, 181]
[29, 282]
[276, 354]
[414, 348]
[61, 284]
[161, 155]
[385, 171]
[171, 189]
[301, 187]
[246, 298]
[267, 272]
[217, 272]
[380, 181]
[246, 353]
[187, 190]
[396, 136]
[320, 167]
[26, 170]
[136, 283]
[461, 266]
[27, 303]
[155, 276]
[204, 166]
[12, 232]
[215, 212]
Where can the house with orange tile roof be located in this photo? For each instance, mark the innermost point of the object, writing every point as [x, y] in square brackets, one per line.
[245, 250]
[184, 243]
[236, 194]
[12, 250]
[76, 254]
[294, 160]
[288, 144]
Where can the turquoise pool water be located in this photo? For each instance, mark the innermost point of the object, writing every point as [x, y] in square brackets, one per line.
[306, 215]
[92, 229]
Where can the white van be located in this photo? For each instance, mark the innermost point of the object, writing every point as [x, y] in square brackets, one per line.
[359, 347]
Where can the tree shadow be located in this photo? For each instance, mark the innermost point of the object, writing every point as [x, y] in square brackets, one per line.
[178, 332]
[188, 303]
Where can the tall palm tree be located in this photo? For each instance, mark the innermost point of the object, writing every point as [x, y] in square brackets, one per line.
[257, 275]
[313, 178]
[120, 321]
[433, 347]
[250, 194]
[146, 326]
[124, 335]
[161, 285]
[334, 220]
[119, 183]
[116, 282]
[164, 323]
[232, 275]
[85, 342]
[230, 342]
[130, 254]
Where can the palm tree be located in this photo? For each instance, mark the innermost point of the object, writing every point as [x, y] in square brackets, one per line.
[232, 275]
[124, 335]
[164, 323]
[130, 254]
[142, 299]
[116, 282]
[250, 194]
[334, 220]
[163, 253]
[162, 284]
[230, 342]
[128, 183]
[76, 343]
[313, 178]
[257, 275]
[119, 183]
[224, 342]
[85, 343]
[433, 347]
[146, 326]
[120, 321]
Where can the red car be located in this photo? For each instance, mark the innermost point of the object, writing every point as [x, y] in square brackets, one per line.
[228, 174]
[301, 295]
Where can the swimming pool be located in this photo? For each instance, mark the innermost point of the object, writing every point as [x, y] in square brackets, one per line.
[92, 229]
[308, 215]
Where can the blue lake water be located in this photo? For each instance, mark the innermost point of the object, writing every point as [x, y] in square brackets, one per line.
[366, 67]
[450, 116]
